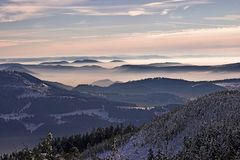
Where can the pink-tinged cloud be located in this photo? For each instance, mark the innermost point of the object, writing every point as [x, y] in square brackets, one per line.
[207, 41]
[7, 43]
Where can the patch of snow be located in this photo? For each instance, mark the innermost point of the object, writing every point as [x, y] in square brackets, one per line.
[136, 107]
[27, 106]
[134, 149]
[32, 127]
[15, 116]
[232, 86]
[66, 97]
[31, 95]
[45, 85]
[91, 112]
[35, 91]
[60, 121]
[199, 84]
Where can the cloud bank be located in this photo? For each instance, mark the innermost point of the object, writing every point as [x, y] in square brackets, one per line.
[206, 41]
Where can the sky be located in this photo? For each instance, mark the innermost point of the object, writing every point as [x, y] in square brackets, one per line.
[174, 28]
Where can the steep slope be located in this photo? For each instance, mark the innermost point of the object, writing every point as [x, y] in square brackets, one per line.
[212, 121]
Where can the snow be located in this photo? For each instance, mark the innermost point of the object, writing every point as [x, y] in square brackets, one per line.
[32, 127]
[196, 85]
[27, 106]
[66, 97]
[91, 112]
[15, 116]
[60, 121]
[35, 91]
[229, 85]
[31, 89]
[137, 107]
[134, 149]
[31, 95]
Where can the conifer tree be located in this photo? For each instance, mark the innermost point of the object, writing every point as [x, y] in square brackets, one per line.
[150, 154]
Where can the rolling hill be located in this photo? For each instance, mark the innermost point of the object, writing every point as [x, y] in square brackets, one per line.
[165, 91]
[30, 107]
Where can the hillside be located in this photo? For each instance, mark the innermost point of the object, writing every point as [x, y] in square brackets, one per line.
[30, 107]
[165, 91]
[203, 129]
[207, 127]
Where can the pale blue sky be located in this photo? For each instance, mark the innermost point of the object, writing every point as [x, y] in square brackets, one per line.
[31, 28]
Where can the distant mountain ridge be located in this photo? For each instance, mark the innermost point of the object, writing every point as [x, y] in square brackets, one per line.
[117, 61]
[175, 88]
[156, 67]
[234, 67]
[86, 61]
[54, 63]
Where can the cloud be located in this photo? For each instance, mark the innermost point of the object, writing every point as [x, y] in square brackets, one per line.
[186, 7]
[4, 43]
[11, 43]
[14, 12]
[197, 24]
[153, 8]
[232, 17]
[165, 12]
[185, 4]
[18, 10]
[139, 12]
[223, 40]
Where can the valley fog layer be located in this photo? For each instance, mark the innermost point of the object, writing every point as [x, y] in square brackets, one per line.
[88, 78]
[65, 71]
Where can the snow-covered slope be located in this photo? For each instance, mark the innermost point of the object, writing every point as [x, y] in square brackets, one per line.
[167, 132]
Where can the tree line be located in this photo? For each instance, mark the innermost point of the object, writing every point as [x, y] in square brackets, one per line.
[51, 148]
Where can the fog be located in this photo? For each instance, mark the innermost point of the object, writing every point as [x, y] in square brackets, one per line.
[75, 75]
[76, 78]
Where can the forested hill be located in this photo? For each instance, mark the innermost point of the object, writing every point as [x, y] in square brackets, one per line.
[79, 146]
[206, 128]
